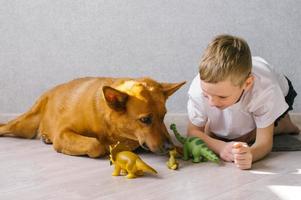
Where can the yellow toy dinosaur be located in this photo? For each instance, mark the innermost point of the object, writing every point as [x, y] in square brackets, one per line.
[128, 162]
[172, 163]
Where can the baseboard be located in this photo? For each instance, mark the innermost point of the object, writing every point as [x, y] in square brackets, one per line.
[177, 118]
[5, 117]
[169, 118]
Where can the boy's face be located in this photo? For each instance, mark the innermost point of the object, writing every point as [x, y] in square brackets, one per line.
[224, 94]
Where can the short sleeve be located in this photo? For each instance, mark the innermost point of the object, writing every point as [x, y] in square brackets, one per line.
[196, 112]
[270, 105]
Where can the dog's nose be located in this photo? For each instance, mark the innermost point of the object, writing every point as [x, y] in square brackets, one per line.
[167, 145]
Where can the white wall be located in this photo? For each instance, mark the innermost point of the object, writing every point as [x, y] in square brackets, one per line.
[46, 42]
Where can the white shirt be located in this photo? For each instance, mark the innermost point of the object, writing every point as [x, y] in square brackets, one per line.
[258, 107]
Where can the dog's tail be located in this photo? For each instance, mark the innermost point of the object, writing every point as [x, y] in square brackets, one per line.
[27, 124]
[0, 128]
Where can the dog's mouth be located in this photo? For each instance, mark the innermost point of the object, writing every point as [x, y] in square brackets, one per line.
[144, 146]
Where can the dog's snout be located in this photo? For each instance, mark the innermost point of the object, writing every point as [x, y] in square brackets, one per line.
[167, 145]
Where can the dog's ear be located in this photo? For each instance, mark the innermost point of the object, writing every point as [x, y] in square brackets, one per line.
[115, 98]
[170, 88]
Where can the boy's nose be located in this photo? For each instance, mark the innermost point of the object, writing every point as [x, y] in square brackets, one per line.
[213, 102]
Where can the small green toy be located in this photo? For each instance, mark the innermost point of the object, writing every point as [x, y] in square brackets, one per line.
[194, 147]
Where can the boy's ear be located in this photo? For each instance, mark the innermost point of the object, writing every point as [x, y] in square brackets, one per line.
[249, 82]
[170, 88]
[115, 99]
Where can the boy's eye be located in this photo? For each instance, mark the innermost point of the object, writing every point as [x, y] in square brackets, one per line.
[146, 120]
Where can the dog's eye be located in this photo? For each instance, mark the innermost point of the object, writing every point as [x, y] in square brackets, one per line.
[146, 120]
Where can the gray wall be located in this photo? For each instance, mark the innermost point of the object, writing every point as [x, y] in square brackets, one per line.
[46, 42]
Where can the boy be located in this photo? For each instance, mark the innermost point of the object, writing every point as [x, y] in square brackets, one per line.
[236, 100]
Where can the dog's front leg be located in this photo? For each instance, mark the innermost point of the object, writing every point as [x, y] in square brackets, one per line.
[71, 143]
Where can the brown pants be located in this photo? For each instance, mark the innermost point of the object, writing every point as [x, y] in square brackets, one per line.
[248, 138]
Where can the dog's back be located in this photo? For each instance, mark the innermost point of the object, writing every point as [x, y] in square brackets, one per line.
[56, 102]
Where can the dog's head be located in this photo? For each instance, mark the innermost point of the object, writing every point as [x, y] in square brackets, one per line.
[137, 110]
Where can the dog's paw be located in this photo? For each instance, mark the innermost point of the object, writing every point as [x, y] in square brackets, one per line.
[96, 149]
[45, 139]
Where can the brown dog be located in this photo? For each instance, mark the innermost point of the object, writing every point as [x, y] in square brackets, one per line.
[86, 115]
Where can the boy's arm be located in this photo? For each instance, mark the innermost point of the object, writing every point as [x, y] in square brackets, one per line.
[219, 147]
[263, 143]
[244, 155]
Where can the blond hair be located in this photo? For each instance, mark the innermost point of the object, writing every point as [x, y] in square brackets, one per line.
[226, 57]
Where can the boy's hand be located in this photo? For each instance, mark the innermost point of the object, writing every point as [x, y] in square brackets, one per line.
[242, 155]
[226, 152]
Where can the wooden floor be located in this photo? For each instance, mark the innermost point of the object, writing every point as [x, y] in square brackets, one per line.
[29, 169]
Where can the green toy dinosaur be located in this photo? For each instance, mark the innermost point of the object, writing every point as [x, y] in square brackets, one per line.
[194, 147]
